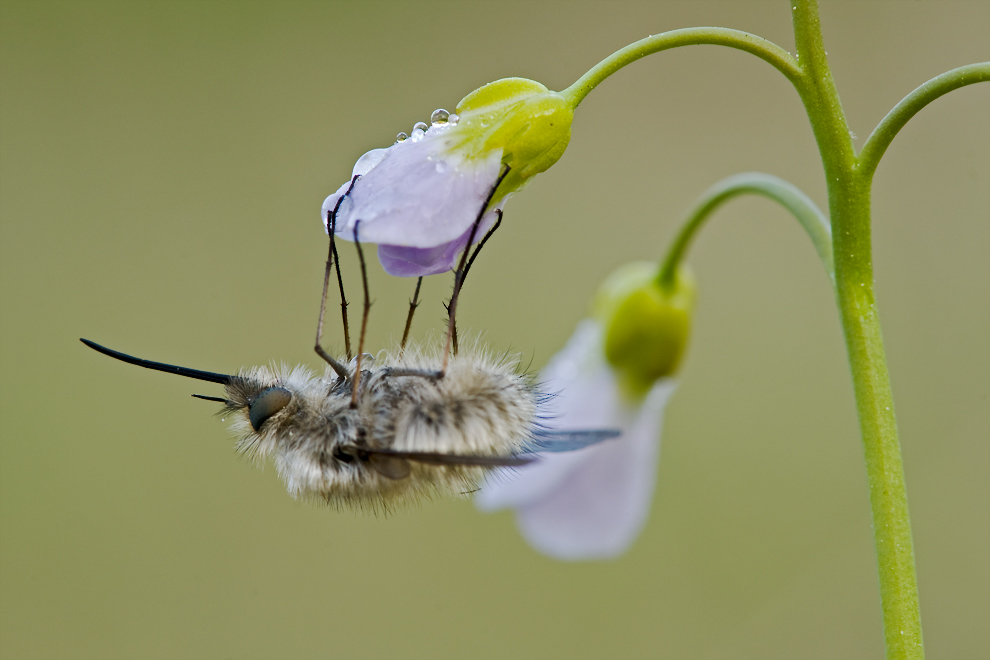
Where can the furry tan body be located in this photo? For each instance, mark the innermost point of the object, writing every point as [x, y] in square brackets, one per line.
[325, 449]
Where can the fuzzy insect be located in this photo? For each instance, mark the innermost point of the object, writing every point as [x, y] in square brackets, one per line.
[409, 436]
[365, 436]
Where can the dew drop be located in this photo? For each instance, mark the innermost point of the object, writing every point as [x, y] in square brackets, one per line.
[418, 132]
[401, 137]
[223, 419]
[453, 119]
[439, 117]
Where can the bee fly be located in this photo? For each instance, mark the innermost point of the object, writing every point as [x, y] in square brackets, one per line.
[371, 436]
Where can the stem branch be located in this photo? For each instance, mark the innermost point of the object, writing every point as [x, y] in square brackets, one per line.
[910, 105]
[787, 195]
[765, 50]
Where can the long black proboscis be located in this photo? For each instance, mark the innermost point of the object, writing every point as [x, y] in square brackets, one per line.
[222, 379]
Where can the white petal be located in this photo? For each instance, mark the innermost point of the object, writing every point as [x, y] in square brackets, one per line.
[598, 510]
[420, 195]
[585, 398]
[591, 503]
[368, 161]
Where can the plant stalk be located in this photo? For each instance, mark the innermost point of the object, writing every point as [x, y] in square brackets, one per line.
[849, 193]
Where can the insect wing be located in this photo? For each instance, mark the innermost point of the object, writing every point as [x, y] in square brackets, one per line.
[550, 441]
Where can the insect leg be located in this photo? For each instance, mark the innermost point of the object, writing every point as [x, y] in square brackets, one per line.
[340, 281]
[413, 304]
[339, 368]
[481, 244]
[459, 273]
[467, 268]
[332, 257]
[364, 318]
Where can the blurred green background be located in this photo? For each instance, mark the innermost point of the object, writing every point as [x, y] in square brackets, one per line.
[162, 167]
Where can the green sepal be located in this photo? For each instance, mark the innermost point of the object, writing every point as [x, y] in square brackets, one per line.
[527, 121]
[646, 326]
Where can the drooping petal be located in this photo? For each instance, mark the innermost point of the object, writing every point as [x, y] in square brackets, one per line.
[600, 506]
[590, 503]
[422, 194]
[403, 261]
[364, 164]
[582, 399]
[416, 262]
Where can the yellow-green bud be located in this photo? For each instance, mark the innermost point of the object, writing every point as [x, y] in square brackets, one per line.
[531, 124]
[646, 327]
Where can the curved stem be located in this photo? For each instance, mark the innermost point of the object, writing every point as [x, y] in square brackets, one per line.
[910, 105]
[765, 50]
[812, 219]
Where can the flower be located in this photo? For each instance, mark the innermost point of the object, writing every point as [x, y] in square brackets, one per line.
[592, 503]
[419, 199]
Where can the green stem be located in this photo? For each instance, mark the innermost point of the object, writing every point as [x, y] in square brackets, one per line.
[910, 105]
[847, 255]
[849, 208]
[800, 205]
[765, 50]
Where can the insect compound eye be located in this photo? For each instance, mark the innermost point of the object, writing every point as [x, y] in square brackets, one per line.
[267, 404]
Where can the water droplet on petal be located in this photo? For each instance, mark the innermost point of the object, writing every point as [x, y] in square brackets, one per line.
[439, 117]
[418, 132]
[453, 119]
[401, 137]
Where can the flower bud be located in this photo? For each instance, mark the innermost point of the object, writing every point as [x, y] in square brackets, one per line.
[646, 325]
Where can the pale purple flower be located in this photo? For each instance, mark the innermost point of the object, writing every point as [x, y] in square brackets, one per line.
[418, 200]
[593, 502]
